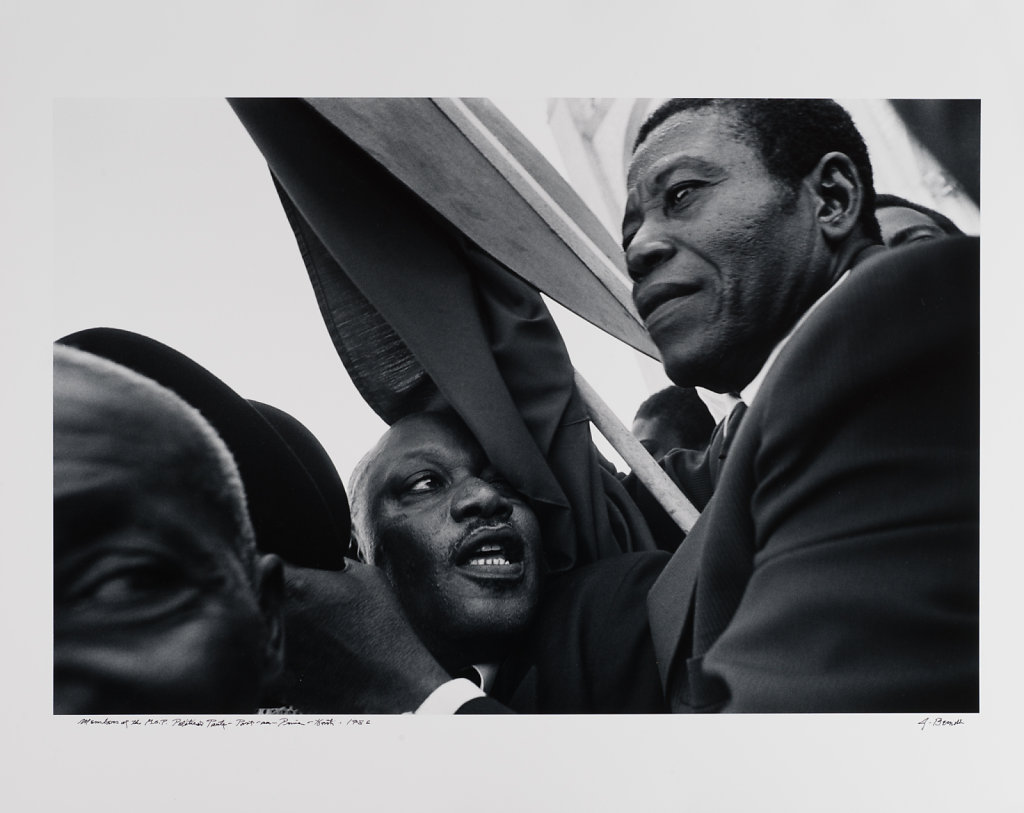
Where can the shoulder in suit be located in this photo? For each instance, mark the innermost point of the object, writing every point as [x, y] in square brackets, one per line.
[590, 650]
[836, 566]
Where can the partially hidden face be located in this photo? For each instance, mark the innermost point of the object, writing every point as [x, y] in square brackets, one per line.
[902, 226]
[655, 436]
[153, 610]
[460, 546]
[722, 254]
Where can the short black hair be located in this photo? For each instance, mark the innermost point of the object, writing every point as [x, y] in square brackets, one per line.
[883, 201]
[791, 136]
[683, 414]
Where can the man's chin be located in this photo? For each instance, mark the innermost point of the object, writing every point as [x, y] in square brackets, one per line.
[496, 615]
[491, 642]
[481, 630]
[716, 375]
[472, 620]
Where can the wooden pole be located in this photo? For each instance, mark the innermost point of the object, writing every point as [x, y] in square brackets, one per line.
[638, 458]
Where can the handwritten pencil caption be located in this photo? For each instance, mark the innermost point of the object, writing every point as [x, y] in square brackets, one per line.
[270, 721]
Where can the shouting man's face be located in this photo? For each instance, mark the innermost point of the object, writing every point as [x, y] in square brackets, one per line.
[460, 546]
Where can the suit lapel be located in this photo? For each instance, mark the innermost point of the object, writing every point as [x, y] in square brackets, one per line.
[670, 602]
[670, 599]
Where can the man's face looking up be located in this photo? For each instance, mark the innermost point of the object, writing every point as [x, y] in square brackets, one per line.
[460, 546]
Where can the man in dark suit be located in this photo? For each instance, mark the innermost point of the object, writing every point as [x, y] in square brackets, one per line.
[835, 565]
[462, 551]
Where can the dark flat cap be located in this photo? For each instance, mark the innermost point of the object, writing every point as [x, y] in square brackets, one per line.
[297, 502]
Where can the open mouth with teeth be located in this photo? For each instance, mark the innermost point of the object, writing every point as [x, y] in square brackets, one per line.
[492, 554]
[487, 555]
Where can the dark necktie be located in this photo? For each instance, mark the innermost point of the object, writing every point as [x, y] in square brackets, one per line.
[723, 439]
[732, 425]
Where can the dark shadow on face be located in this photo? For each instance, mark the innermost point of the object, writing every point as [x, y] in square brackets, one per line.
[154, 610]
[654, 436]
[460, 545]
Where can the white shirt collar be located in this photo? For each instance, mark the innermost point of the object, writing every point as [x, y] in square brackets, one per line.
[451, 695]
[749, 392]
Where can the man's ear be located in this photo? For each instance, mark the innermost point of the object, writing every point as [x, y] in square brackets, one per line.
[270, 572]
[840, 196]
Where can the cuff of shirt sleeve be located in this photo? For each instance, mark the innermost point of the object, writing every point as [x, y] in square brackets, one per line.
[449, 697]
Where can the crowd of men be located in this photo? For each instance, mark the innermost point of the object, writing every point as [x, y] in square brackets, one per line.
[834, 568]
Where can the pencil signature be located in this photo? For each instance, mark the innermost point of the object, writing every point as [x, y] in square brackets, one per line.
[941, 722]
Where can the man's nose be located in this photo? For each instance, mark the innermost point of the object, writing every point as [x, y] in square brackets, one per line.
[478, 498]
[647, 250]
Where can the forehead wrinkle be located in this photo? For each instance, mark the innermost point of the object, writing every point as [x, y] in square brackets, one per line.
[674, 162]
[434, 455]
[723, 121]
[440, 438]
[666, 165]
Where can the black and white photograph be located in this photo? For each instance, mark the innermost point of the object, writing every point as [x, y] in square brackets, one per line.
[523, 433]
[485, 534]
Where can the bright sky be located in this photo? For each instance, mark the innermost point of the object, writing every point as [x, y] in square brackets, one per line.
[167, 224]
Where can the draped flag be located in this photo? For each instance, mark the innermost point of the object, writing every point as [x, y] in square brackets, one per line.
[408, 235]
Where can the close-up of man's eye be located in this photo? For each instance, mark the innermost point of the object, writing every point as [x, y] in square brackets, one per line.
[676, 195]
[121, 580]
[922, 234]
[133, 582]
[422, 483]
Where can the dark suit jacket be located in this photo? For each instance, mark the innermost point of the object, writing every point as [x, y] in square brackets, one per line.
[835, 567]
[590, 650]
